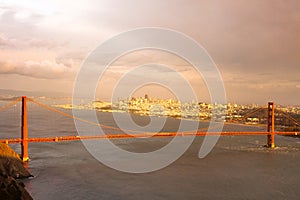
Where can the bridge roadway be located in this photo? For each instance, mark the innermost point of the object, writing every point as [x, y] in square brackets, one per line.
[137, 135]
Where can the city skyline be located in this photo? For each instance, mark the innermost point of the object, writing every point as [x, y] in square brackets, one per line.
[255, 44]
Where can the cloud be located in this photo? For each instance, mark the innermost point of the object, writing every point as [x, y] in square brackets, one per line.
[256, 36]
[20, 30]
[5, 42]
[262, 80]
[255, 44]
[34, 43]
[18, 20]
[49, 44]
[26, 49]
[45, 69]
[246, 36]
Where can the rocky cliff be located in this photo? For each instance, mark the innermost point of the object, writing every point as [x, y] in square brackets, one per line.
[11, 170]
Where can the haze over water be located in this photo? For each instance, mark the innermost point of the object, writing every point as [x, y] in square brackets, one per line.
[239, 167]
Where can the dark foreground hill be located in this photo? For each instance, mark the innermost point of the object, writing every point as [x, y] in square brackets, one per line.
[12, 169]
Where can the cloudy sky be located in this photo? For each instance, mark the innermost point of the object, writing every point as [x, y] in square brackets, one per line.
[255, 44]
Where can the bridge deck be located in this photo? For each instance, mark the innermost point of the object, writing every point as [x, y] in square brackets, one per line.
[140, 135]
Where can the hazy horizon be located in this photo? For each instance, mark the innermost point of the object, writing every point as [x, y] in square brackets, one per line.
[8, 94]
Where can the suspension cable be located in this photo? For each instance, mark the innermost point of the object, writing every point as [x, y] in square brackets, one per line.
[10, 104]
[289, 117]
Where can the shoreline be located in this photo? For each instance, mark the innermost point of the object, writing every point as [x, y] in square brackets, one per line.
[258, 125]
[11, 171]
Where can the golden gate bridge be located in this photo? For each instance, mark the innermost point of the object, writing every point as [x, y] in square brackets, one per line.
[117, 133]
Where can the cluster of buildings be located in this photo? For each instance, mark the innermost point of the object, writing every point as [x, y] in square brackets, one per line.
[157, 107]
[146, 106]
[290, 109]
[174, 108]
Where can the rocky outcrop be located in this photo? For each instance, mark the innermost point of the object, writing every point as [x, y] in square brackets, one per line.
[11, 189]
[12, 168]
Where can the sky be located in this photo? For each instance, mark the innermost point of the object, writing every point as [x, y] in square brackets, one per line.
[255, 44]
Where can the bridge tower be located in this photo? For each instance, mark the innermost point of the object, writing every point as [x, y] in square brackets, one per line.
[24, 131]
[271, 125]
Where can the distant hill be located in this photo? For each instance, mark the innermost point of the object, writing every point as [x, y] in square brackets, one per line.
[10, 94]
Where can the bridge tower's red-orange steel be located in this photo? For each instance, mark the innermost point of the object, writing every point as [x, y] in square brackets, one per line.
[271, 125]
[24, 131]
